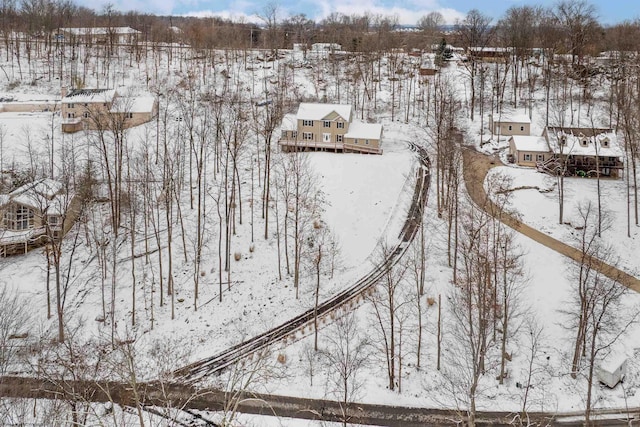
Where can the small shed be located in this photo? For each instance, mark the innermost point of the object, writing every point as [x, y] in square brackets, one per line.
[612, 369]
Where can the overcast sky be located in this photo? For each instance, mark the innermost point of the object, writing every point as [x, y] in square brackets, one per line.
[407, 11]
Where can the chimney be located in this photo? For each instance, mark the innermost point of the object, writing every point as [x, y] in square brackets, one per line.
[63, 91]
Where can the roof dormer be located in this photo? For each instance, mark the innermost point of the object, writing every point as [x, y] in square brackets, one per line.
[605, 142]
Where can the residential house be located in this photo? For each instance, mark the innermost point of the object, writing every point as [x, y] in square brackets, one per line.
[99, 108]
[85, 108]
[490, 54]
[526, 150]
[100, 35]
[510, 124]
[329, 127]
[572, 151]
[586, 151]
[32, 214]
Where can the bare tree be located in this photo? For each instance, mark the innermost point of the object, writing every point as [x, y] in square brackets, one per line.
[345, 356]
[475, 32]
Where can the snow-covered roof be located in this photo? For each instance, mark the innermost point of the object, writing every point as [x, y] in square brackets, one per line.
[512, 117]
[85, 31]
[317, 111]
[42, 194]
[364, 130]
[530, 143]
[289, 122]
[89, 95]
[584, 142]
[134, 104]
[45, 187]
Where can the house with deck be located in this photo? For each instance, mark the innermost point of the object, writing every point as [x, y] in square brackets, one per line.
[103, 109]
[33, 214]
[571, 151]
[329, 127]
[585, 151]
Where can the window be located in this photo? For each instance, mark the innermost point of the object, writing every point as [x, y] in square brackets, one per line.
[104, 105]
[128, 115]
[340, 125]
[338, 138]
[326, 124]
[366, 141]
[540, 157]
[307, 123]
[584, 142]
[527, 157]
[521, 128]
[307, 136]
[86, 115]
[70, 105]
[294, 134]
[510, 127]
[18, 218]
[86, 105]
[71, 115]
[355, 141]
[53, 220]
[605, 142]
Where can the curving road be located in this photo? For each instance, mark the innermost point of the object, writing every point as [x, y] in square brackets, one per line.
[210, 365]
[475, 168]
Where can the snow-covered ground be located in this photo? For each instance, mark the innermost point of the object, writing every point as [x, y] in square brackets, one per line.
[366, 197]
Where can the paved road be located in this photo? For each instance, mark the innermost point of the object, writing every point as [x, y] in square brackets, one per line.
[476, 165]
[184, 397]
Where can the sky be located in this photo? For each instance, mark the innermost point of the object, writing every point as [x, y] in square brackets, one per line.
[407, 11]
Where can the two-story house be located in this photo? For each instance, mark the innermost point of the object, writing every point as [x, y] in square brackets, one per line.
[575, 151]
[329, 127]
[101, 108]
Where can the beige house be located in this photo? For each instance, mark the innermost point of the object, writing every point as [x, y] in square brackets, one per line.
[528, 150]
[510, 124]
[33, 213]
[329, 127]
[99, 108]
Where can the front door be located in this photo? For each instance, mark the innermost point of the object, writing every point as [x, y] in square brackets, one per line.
[326, 137]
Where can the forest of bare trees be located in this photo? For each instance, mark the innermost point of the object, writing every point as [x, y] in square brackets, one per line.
[165, 211]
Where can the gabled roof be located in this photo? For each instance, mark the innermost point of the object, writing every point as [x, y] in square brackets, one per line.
[40, 195]
[530, 143]
[134, 104]
[600, 142]
[90, 95]
[361, 130]
[317, 111]
[512, 117]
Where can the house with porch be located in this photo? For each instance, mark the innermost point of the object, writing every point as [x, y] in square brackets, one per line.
[572, 151]
[34, 213]
[329, 127]
[585, 151]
